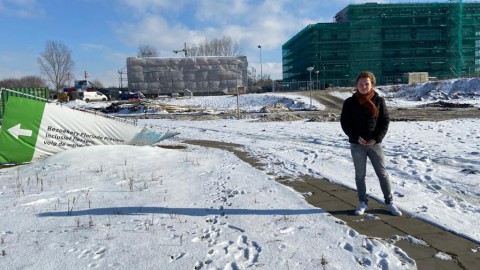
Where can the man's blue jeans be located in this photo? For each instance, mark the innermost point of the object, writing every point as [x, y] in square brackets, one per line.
[375, 154]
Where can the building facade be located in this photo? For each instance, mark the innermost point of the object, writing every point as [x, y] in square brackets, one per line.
[390, 40]
[205, 75]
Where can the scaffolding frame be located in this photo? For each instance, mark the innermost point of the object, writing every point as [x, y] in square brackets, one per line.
[390, 40]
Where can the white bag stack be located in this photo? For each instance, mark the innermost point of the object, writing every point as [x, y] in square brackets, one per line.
[201, 75]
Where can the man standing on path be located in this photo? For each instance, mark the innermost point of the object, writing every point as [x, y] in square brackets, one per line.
[365, 121]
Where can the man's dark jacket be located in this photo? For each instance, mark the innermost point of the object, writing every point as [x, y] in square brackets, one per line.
[357, 122]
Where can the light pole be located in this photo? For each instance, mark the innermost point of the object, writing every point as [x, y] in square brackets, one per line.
[185, 50]
[318, 84]
[261, 69]
[310, 69]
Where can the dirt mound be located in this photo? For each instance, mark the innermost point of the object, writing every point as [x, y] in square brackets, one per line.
[280, 117]
[278, 107]
[445, 104]
[330, 117]
[203, 117]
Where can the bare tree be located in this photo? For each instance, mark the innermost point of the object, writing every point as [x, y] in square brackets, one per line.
[56, 63]
[96, 83]
[224, 46]
[25, 81]
[10, 83]
[147, 51]
[264, 80]
[32, 81]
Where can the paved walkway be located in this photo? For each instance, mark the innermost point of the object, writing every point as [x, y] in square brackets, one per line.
[341, 202]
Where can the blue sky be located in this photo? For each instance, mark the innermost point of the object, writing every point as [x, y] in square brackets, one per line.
[103, 33]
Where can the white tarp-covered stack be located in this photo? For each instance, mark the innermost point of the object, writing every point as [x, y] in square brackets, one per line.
[201, 75]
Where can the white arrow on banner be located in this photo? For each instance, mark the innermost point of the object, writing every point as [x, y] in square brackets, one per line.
[18, 131]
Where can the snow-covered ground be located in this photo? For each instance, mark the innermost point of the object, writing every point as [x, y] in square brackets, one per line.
[465, 91]
[216, 104]
[461, 91]
[188, 207]
[248, 103]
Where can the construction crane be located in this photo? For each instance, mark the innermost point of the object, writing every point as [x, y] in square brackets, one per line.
[185, 50]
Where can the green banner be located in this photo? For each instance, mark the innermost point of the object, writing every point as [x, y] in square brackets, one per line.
[19, 131]
[34, 129]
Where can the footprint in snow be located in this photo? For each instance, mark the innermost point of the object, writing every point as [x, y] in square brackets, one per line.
[368, 245]
[423, 208]
[435, 187]
[365, 262]
[427, 177]
[176, 256]
[95, 254]
[348, 246]
[352, 233]
[450, 203]
[287, 230]
[241, 254]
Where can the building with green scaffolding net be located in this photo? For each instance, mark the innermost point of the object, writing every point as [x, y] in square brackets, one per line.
[391, 40]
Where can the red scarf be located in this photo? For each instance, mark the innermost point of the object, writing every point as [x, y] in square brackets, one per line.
[366, 101]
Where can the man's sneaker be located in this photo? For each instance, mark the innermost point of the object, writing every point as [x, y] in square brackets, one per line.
[394, 210]
[361, 209]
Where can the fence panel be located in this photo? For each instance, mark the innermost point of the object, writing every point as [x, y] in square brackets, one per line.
[31, 93]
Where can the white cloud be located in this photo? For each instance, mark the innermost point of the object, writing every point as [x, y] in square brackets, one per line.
[220, 12]
[29, 9]
[153, 6]
[273, 68]
[155, 31]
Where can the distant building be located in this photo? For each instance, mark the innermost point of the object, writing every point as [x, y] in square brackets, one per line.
[204, 75]
[390, 40]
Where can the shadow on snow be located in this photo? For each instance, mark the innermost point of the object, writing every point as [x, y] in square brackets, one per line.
[141, 210]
